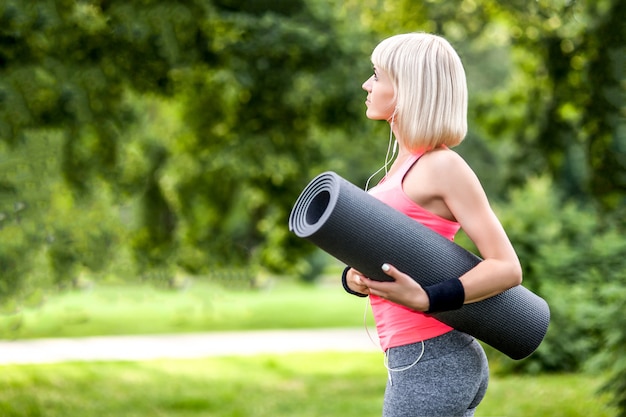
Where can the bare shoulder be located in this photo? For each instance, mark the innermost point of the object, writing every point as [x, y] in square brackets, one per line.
[443, 165]
[450, 177]
[441, 181]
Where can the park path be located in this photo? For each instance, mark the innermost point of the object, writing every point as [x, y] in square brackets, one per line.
[184, 346]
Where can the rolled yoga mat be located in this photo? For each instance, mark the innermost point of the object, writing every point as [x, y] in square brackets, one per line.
[364, 233]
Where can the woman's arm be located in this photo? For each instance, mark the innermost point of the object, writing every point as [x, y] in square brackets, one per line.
[444, 184]
[465, 198]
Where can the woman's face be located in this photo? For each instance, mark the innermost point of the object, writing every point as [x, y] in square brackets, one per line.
[381, 101]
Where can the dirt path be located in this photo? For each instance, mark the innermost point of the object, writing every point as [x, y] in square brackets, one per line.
[172, 346]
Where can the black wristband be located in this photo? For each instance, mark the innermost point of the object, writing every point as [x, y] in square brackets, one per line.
[344, 282]
[445, 296]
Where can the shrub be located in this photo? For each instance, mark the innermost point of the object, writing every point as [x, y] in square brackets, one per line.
[575, 262]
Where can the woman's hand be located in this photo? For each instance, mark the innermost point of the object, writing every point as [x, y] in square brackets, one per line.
[355, 283]
[403, 290]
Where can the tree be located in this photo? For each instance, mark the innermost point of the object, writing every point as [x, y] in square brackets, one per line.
[572, 95]
[247, 82]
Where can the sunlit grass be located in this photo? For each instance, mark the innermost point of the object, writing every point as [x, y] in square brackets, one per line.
[545, 395]
[296, 385]
[144, 309]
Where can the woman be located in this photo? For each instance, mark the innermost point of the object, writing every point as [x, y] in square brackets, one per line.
[419, 87]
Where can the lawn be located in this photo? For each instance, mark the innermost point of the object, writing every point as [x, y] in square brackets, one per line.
[144, 309]
[296, 385]
[322, 384]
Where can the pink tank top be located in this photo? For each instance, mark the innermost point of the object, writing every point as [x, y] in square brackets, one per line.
[398, 325]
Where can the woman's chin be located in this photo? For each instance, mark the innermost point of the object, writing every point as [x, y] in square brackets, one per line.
[374, 116]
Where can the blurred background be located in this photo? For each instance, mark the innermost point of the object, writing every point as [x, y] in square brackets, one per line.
[159, 145]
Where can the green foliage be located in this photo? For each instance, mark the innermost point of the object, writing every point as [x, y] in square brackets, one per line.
[252, 83]
[266, 98]
[576, 263]
[611, 297]
[575, 260]
[73, 243]
[29, 173]
[261, 129]
[568, 91]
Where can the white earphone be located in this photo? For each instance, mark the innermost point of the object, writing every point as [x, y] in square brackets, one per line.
[391, 152]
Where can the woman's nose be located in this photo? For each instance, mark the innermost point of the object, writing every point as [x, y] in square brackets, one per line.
[367, 85]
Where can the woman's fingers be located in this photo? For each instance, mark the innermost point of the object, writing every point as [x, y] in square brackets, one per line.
[402, 290]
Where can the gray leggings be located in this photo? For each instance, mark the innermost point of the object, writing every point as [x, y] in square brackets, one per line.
[449, 380]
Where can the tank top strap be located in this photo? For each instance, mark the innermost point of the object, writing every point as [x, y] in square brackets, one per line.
[399, 175]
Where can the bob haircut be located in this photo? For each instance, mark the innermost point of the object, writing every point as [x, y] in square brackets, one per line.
[430, 89]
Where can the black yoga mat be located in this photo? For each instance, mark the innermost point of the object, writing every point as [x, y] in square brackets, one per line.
[363, 232]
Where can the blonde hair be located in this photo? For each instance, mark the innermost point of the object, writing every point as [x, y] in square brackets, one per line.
[430, 89]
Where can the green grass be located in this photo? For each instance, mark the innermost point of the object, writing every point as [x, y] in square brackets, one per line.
[546, 395]
[294, 385]
[297, 385]
[136, 309]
